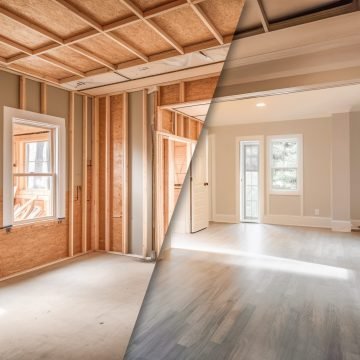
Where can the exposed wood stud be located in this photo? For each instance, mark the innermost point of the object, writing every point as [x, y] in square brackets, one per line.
[207, 22]
[138, 12]
[95, 176]
[22, 94]
[125, 201]
[263, 17]
[43, 98]
[71, 172]
[107, 173]
[144, 181]
[84, 191]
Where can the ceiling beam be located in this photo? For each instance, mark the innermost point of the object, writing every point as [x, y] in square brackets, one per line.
[33, 74]
[139, 13]
[98, 27]
[15, 45]
[263, 17]
[61, 65]
[206, 21]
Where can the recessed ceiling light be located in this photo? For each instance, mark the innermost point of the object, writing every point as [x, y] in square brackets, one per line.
[260, 104]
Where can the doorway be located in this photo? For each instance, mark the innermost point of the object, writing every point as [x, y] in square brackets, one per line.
[250, 181]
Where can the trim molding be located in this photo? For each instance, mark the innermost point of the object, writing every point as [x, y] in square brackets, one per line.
[341, 225]
[355, 224]
[225, 218]
[295, 220]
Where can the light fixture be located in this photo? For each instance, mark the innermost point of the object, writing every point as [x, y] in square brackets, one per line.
[260, 104]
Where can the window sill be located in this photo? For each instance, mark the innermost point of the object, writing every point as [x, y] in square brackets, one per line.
[47, 221]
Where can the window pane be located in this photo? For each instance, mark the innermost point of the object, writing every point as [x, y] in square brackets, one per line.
[284, 153]
[32, 197]
[284, 179]
[37, 157]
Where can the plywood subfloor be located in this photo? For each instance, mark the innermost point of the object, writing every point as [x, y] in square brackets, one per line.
[253, 292]
[84, 309]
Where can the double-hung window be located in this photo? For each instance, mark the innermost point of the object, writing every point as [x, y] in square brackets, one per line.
[34, 167]
[285, 164]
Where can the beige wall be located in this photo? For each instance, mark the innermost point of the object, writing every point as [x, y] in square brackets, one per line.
[355, 165]
[317, 166]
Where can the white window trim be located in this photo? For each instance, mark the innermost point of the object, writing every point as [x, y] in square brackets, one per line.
[57, 123]
[299, 190]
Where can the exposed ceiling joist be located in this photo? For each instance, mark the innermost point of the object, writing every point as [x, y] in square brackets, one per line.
[15, 45]
[139, 13]
[61, 65]
[207, 22]
[33, 74]
[263, 17]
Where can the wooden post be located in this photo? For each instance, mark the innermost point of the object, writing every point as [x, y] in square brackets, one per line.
[107, 174]
[43, 100]
[71, 174]
[84, 191]
[22, 93]
[125, 188]
[145, 188]
[95, 176]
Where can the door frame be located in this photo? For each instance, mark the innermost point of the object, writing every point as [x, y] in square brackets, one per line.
[261, 140]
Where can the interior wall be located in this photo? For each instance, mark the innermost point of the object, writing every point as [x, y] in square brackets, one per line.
[28, 246]
[355, 165]
[317, 160]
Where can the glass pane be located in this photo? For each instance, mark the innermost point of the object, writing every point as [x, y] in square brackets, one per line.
[32, 197]
[37, 157]
[284, 179]
[284, 153]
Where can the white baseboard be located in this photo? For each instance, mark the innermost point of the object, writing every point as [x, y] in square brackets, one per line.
[341, 226]
[294, 220]
[224, 218]
[355, 224]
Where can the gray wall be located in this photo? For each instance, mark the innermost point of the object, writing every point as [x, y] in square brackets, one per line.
[355, 164]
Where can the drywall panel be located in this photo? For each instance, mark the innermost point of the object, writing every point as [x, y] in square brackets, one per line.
[78, 143]
[317, 164]
[285, 205]
[33, 96]
[136, 173]
[354, 164]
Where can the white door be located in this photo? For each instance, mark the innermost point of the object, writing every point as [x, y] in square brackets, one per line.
[199, 186]
[249, 180]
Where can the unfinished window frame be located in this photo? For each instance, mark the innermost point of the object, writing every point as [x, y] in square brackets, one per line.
[57, 151]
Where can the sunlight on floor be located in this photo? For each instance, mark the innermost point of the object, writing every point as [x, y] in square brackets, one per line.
[274, 263]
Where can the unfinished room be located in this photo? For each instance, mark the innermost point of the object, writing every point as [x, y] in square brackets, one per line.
[263, 253]
[94, 153]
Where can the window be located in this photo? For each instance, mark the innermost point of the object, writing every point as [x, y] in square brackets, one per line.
[34, 190]
[34, 158]
[285, 171]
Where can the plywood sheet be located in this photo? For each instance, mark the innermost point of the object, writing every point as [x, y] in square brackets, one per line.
[47, 14]
[7, 51]
[107, 49]
[103, 12]
[73, 59]
[169, 94]
[202, 89]
[193, 130]
[184, 26]
[168, 118]
[43, 67]
[21, 34]
[143, 38]
[149, 4]
[224, 14]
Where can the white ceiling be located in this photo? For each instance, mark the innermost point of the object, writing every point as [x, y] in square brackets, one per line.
[300, 105]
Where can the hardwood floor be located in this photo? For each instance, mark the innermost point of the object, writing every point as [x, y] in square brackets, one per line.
[253, 292]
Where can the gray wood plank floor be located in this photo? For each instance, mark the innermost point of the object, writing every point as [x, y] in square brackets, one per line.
[253, 292]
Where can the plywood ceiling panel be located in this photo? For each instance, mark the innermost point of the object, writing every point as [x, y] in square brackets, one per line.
[102, 11]
[7, 51]
[250, 17]
[184, 26]
[42, 67]
[107, 49]
[72, 58]
[149, 4]
[224, 14]
[149, 42]
[21, 34]
[47, 14]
